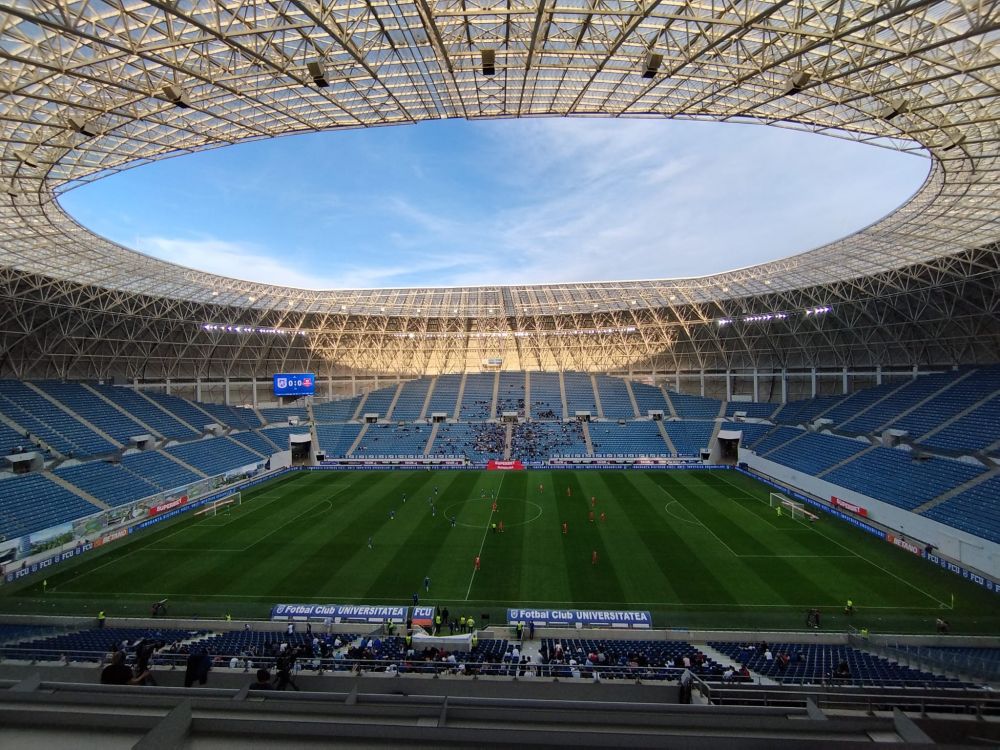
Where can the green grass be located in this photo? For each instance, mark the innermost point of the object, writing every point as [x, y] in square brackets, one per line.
[697, 548]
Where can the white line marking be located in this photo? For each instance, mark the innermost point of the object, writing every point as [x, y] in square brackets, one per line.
[483, 543]
[700, 522]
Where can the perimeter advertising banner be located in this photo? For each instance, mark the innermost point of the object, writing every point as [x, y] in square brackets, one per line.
[589, 617]
[339, 612]
[493, 465]
[837, 502]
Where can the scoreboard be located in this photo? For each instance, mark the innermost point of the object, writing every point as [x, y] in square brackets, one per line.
[294, 384]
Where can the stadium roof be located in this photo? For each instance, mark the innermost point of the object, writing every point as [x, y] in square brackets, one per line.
[91, 88]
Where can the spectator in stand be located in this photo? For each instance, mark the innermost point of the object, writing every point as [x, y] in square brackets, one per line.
[263, 681]
[118, 673]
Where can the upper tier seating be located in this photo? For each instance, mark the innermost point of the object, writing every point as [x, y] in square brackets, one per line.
[579, 393]
[279, 435]
[34, 502]
[649, 398]
[137, 404]
[510, 397]
[281, 414]
[976, 510]
[752, 431]
[232, 416]
[411, 400]
[906, 397]
[109, 483]
[536, 441]
[159, 470]
[642, 438]
[777, 437]
[40, 417]
[183, 409]
[215, 455]
[690, 437]
[546, 398]
[253, 440]
[942, 407]
[614, 398]
[754, 409]
[814, 453]
[341, 410]
[976, 431]
[478, 442]
[477, 399]
[12, 441]
[695, 407]
[95, 410]
[891, 474]
[805, 411]
[848, 406]
[393, 440]
[378, 401]
[334, 439]
[445, 395]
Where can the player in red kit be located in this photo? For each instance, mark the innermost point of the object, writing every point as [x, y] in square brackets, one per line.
[603, 517]
[591, 516]
[494, 507]
[477, 562]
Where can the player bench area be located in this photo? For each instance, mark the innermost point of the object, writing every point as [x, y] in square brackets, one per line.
[796, 510]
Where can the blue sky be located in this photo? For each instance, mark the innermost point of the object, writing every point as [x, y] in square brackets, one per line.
[522, 201]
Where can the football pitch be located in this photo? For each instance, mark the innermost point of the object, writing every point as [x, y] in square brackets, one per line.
[697, 548]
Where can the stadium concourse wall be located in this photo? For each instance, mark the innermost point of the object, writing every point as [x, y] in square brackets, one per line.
[979, 559]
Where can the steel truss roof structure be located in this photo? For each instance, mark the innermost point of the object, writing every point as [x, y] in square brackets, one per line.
[89, 88]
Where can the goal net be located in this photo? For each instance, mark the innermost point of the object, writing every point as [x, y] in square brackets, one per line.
[222, 505]
[785, 505]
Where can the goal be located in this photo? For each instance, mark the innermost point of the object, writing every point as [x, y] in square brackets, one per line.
[222, 505]
[796, 510]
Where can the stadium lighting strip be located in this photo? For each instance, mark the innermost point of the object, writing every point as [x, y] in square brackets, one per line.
[225, 328]
[764, 318]
[252, 329]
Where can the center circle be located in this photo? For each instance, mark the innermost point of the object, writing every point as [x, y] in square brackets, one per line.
[538, 508]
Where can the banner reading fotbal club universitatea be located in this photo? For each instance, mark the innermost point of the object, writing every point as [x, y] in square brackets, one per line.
[339, 612]
[596, 617]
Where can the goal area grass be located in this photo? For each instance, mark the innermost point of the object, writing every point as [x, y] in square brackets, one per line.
[698, 548]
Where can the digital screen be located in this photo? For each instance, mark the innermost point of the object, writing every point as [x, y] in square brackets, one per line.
[294, 384]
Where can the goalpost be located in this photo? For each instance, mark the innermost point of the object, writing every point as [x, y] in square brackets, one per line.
[786, 505]
[222, 505]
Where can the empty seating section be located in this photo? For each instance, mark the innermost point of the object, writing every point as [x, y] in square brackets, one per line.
[690, 437]
[772, 440]
[109, 483]
[11, 441]
[811, 663]
[976, 431]
[135, 403]
[892, 475]
[253, 440]
[546, 396]
[695, 407]
[341, 410]
[906, 397]
[280, 415]
[232, 416]
[510, 397]
[537, 441]
[334, 439]
[614, 398]
[34, 502]
[752, 431]
[445, 395]
[950, 402]
[158, 469]
[478, 442]
[378, 401]
[279, 435]
[95, 410]
[649, 398]
[477, 399]
[976, 510]
[411, 400]
[263, 643]
[393, 440]
[847, 407]
[90, 645]
[754, 409]
[215, 455]
[579, 393]
[814, 452]
[805, 411]
[182, 409]
[40, 417]
[642, 438]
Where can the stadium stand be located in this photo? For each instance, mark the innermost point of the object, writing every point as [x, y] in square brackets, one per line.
[167, 425]
[689, 437]
[341, 410]
[232, 416]
[805, 411]
[34, 502]
[813, 664]
[477, 399]
[90, 645]
[846, 407]
[537, 441]
[478, 442]
[280, 415]
[110, 483]
[510, 397]
[253, 440]
[777, 437]
[101, 415]
[649, 398]
[886, 410]
[279, 435]
[159, 470]
[393, 440]
[614, 398]
[411, 400]
[634, 438]
[182, 409]
[895, 476]
[975, 431]
[753, 409]
[752, 431]
[445, 395]
[579, 393]
[12, 442]
[814, 453]
[334, 439]
[56, 427]
[214, 455]
[695, 407]
[624, 659]
[378, 401]
[976, 510]
[948, 403]
[546, 398]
